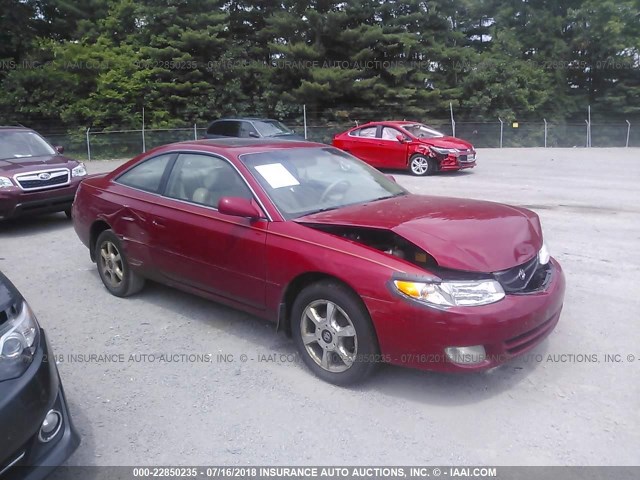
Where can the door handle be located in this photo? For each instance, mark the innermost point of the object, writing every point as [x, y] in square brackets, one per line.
[158, 223]
[128, 219]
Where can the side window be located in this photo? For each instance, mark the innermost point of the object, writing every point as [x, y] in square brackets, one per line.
[225, 128]
[368, 132]
[204, 180]
[233, 129]
[147, 175]
[389, 133]
[248, 131]
[216, 128]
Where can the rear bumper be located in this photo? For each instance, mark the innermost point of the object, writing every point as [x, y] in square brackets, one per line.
[15, 202]
[24, 403]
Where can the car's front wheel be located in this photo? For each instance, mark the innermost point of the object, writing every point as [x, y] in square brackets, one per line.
[333, 333]
[114, 269]
[422, 165]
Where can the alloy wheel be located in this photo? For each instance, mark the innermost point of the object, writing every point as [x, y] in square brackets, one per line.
[111, 264]
[420, 165]
[329, 336]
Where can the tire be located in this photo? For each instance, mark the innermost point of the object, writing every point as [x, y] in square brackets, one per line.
[68, 213]
[421, 165]
[349, 335]
[113, 267]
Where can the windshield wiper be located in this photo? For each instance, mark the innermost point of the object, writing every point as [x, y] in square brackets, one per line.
[326, 209]
[386, 197]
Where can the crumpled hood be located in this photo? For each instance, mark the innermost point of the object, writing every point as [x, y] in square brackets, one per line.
[447, 142]
[461, 234]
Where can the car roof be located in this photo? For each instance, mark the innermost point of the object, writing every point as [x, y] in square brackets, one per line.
[239, 146]
[14, 127]
[397, 123]
[253, 119]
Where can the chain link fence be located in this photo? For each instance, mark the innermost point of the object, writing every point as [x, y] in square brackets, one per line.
[100, 145]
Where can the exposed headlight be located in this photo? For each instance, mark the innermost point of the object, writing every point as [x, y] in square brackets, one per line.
[543, 255]
[5, 182]
[468, 293]
[18, 342]
[444, 151]
[79, 171]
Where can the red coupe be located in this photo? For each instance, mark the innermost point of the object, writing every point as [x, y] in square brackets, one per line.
[406, 145]
[358, 270]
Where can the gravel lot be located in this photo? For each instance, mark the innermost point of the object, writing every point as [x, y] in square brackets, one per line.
[557, 411]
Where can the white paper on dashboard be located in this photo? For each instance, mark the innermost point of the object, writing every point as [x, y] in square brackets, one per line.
[277, 175]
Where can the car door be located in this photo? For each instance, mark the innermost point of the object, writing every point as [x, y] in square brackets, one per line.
[132, 199]
[196, 245]
[391, 152]
[363, 144]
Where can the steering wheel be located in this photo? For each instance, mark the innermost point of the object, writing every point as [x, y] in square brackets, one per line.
[340, 186]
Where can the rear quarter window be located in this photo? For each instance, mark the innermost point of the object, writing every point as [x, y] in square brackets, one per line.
[147, 175]
[367, 132]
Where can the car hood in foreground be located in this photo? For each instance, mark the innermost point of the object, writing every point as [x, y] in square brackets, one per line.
[8, 293]
[461, 234]
[15, 165]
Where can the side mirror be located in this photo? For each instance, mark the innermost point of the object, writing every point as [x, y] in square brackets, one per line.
[238, 207]
[403, 139]
[391, 177]
[254, 135]
[59, 149]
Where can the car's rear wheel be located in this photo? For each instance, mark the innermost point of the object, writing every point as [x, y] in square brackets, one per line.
[113, 267]
[333, 333]
[422, 165]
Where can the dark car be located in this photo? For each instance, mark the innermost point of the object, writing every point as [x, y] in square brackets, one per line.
[407, 145]
[358, 270]
[34, 176]
[250, 128]
[36, 431]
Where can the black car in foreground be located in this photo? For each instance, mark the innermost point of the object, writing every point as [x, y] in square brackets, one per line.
[251, 127]
[36, 431]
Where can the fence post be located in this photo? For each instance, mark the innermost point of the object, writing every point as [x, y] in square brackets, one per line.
[589, 128]
[144, 145]
[501, 130]
[628, 132]
[453, 122]
[587, 122]
[195, 131]
[88, 145]
[304, 116]
[545, 132]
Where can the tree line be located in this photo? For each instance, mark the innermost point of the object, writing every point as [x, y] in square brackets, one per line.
[98, 63]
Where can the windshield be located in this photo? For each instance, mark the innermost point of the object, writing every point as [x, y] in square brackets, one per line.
[20, 144]
[271, 128]
[301, 181]
[422, 131]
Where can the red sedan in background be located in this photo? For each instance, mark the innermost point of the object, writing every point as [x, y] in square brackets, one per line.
[406, 145]
[358, 270]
